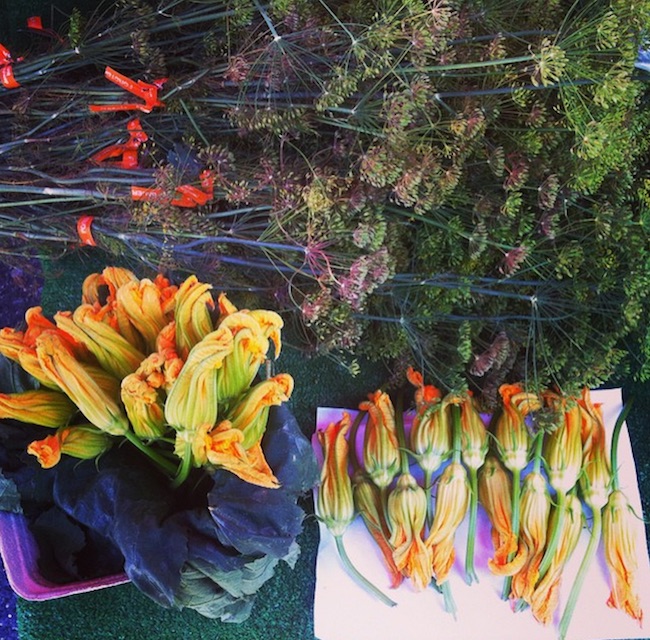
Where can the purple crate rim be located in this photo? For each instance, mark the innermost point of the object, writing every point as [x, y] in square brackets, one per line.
[19, 553]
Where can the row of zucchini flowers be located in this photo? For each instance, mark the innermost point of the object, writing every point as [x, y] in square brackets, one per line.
[532, 465]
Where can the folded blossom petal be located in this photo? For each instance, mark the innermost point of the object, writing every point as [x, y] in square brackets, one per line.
[43, 407]
[221, 446]
[406, 515]
[192, 312]
[242, 364]
[250, 415]
[335, 500]
[563, 447]
[144, 404]
[473, 433]
[535, 510]
[166, 348]
[545, 598]
[381, 455]
[113, 352]
[595, 478]
[84, 442]
[430, 435]
[511, 432]
[620, 542]
[452, 501]
[368, 502]
[143, 302]
[272, 325]
[99, 288]
[77, 381]
[192, 399]
[495, 494]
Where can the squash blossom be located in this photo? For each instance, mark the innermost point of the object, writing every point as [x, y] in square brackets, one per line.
[545, 597]
[143, 302]
[272, 325]
[335, 500]
[166, 348]
[430, 436]
[113, 352]
[381, 456]
[43, 407]
[368, 502]
[193, 303]
[251, 413]
[144, 407]
[78, 382]
[192, 399]
[221, 446]
[495, 494]
[473, 433]
[621, 555]
[111, 279]
[511, 432]
[406, 514]
[535, 510]
[563, 450]
[242, 364]
[452, 500]
[80, 441]
[595, 478]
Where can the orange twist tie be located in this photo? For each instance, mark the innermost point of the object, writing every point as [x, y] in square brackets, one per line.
[186, 195]
[7, 78]
[35, 23]
[128, 151]
[148, 93]
[84, 231]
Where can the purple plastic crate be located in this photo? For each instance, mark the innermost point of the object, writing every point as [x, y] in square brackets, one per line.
[20, 557]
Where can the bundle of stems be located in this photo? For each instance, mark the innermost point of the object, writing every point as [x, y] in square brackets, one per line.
[459, 184]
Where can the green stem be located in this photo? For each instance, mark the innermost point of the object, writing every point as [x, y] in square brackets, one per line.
[470, 572]
[185, 466]
[537, 453]
[428, 482]
[456, 434]
[162, 463]
[354, 573]
[516, 499]
[594, 539]
[615, 437]
[401, 435]
[555, 535]
[450, 604]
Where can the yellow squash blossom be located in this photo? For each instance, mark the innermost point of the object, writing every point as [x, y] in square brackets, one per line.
[98, 288]
[621, 555]
[381, 457]
[192, 399]
[271, 324]
[495, 494]
[242, 364]
[144, 406]
[84, 442]
[563, 447]
[406, 515]
[335, 500]
[368, 503]
[545, 598]
[511, 432]
[166, 348]
[251, 413]
[535, 510]
[143, 302]
[100, 408]
[43, 407]
[473, 433]
[452, 500]
[114, 353]
[193, 304]
[430, 436]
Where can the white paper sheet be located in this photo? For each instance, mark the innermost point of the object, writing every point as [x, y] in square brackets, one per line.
[343, 611]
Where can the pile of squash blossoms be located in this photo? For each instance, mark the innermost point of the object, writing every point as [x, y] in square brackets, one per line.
[532, 466]
[165, 367]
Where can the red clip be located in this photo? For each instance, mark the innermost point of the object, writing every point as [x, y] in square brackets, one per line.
[148, 92]
[35, 23]
[84, 230]
[128, 151]
[186, 195]
[7, 78]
